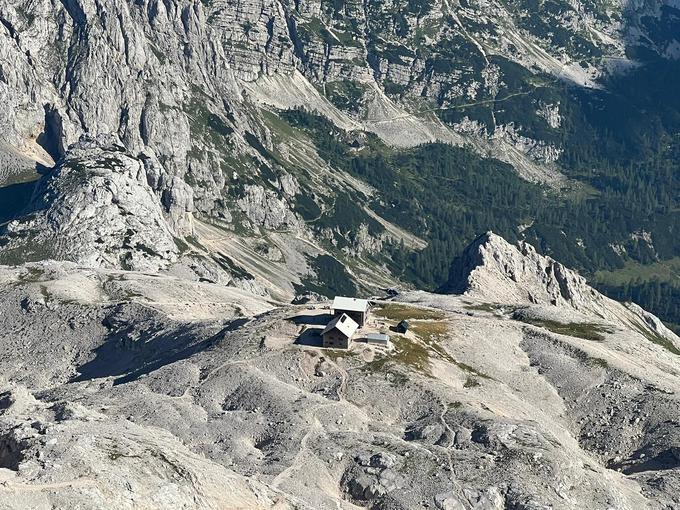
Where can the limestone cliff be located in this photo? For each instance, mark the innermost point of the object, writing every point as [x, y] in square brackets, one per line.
[493, 270]
[194, 90]
[96, 208]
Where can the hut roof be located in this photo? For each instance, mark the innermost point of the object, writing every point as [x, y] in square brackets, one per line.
[342, 323]
[378, 337]
[350, 304]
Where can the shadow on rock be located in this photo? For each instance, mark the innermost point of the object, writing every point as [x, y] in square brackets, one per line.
[141, 341]
[312, 320]
[310, 337]
[664, 460]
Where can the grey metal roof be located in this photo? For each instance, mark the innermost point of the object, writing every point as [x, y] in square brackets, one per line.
[350, 304]
[378, 336]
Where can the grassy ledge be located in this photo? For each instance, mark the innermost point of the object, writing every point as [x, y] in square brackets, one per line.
[585, 330]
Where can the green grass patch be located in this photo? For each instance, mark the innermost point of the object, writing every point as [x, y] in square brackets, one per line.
[331, 278]
[32, 275]
[206, 125]
[597, 362]
[471, 382]
[432, 333]
[232, 267]
[406, 353]
[306, 206]
[417, 354]
[411, 354]
[397, 313]
[487, 307]
[345, 95]
[281, 130]
[338, 354]
[664, 271]
[654, 337]
[585, 330]
[182, 246]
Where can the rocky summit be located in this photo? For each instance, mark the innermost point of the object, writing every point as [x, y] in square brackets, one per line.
[490, 186]
[96, 208]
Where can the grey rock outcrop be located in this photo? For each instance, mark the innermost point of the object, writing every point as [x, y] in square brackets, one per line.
[264, 208]
[518, 274]
[95, 208]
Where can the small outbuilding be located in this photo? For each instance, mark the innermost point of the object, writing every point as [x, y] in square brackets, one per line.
[377, 338]
[403, 326]
[339, 332]
[356, 309]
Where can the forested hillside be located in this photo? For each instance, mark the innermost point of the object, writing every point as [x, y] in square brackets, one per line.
[621, 203]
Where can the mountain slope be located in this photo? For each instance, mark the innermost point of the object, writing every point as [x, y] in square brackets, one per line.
[198, 164]
[527, 99]
[174, 385]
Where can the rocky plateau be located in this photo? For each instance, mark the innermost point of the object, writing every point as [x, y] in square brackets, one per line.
[127, 390]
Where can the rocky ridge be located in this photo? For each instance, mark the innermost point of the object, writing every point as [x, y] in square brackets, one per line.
[518, 273]
[96, 208]
[199, 86]
[494, 270]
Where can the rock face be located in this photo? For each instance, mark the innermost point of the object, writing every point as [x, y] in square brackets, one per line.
[181, 66]
[496, 271]
[492, 267]
[192, 89]
[265, 208]
[134, 71]
[96, 208]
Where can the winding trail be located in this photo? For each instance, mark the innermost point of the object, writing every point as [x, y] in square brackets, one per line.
[454, 107]
[8, 486]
